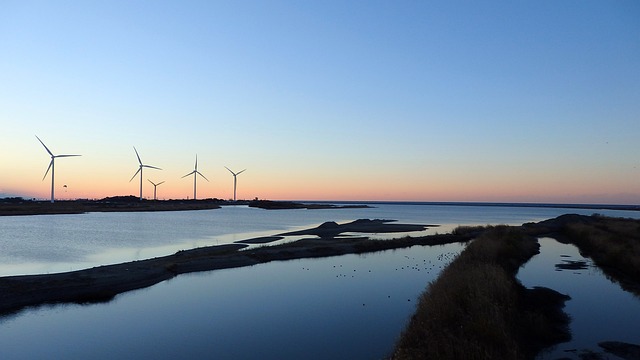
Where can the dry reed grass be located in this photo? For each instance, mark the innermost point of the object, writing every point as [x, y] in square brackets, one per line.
[613, 244]
[477, 309]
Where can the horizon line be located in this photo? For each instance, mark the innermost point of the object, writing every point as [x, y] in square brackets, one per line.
[404, 202]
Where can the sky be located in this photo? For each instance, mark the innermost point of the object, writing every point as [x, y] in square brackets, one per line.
[497, 101]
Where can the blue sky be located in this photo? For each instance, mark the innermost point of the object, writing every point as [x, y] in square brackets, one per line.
[363, 100]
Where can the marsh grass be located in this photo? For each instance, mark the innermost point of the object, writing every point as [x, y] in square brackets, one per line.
[467, 229]
[477, 309]
[613, 244]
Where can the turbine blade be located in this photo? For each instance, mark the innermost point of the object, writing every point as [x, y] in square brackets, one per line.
[196, 162]
[152, 182]
[161, 182]
[49, 168]
[136, 174]
[191, 173]
[65, 155]
[241, 172]
[151, 167]
[199, 173]
[45, 146]
[234, 174]
[138, 156]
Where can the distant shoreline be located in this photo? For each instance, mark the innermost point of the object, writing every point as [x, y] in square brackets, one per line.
[31, 207]
[19, 206]
[490, 204]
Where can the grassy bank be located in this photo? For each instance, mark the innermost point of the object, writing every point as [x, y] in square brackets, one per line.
[477, 309]
[613, 244]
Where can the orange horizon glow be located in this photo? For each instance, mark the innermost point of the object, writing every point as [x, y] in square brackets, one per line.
[107, 174]
[371, 192]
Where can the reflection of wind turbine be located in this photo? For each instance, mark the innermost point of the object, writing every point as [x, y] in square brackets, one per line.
[235, 180]
[51, 165]
[154, 187]
[140, 170]
[195, 174]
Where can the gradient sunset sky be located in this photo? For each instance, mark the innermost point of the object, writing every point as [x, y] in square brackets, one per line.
[527, 101]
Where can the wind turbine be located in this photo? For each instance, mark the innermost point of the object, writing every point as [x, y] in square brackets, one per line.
[235, 180]
[51, 165]
[154, 187]
[195, 174]
[140, 170]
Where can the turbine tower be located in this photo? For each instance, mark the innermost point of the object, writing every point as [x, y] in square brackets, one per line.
[52, 166]
[155, 187]
[140, 170]
[235, 180]
[195, 174]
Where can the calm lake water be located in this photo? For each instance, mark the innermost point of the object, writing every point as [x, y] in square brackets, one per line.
[345, 307]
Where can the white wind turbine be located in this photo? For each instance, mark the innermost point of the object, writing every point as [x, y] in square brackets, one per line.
[195, 174]
[235, 180]
[140, 170]
[155, 186]
[52, 166]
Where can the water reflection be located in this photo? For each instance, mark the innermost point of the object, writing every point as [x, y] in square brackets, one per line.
[344, 307]
[600, 310]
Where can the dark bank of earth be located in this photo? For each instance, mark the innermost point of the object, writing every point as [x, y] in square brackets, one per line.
[621, 349]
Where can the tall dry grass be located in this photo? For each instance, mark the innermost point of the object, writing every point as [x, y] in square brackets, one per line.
[613, 244]
[476, 309]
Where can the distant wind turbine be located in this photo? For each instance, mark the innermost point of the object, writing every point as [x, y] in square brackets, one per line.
[235, 180]
[155, 186]
[195, 174]
[52, 166]
[140, 170]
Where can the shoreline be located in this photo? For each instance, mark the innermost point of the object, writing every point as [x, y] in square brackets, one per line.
[21, 207]
[126, 204]
[622, 207]
[103, 283]
[25, 207]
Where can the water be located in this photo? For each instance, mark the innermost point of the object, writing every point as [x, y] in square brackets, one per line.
[58, 243]
[344, 307]
[600, 310]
